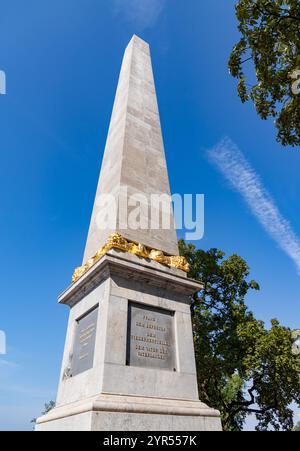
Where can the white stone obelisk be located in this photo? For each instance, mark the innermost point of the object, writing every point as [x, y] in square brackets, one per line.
[129, 360]
[134, 157]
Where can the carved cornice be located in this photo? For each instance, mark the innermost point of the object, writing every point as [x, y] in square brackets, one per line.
[117, 241]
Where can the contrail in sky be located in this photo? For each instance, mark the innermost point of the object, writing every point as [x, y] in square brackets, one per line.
[228, 158]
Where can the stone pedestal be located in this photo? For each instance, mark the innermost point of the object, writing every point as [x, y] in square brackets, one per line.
[129, 358]
[130, 413]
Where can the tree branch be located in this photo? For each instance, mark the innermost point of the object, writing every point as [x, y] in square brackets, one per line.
[273, 14]
[244, 406]
[250, 58]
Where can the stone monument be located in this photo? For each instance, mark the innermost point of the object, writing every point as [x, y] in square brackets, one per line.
[129, 360]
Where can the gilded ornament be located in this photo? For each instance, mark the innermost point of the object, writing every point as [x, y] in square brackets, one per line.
[117, 241]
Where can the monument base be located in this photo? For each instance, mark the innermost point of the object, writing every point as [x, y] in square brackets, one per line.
[130, 413]
[121, 381]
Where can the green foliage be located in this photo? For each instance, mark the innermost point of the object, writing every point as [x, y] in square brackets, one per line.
[242, 367]
[270, 38]
[297, 427]
[47, 407]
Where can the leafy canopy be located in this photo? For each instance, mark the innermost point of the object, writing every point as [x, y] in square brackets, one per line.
[270, 38]
[242, 367]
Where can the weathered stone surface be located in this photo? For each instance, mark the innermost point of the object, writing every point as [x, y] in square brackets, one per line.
[129, 413]
[134, 155]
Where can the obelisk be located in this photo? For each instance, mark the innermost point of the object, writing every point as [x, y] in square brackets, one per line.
[134, 159]
[129, 360]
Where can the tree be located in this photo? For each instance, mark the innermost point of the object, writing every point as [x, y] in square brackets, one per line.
[47, 407]
[242, 367]
[297, 427]
[270, 39]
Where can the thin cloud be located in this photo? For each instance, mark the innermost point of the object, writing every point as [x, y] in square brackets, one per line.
[142, 13]
[227, 157]
[8, 363]
[32, 392]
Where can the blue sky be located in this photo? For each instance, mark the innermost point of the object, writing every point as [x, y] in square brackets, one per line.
[62, 61]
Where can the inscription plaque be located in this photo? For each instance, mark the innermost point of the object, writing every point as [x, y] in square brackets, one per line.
[84, 342]
[150, 337]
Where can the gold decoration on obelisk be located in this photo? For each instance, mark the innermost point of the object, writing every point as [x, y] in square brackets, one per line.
[117, 241]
